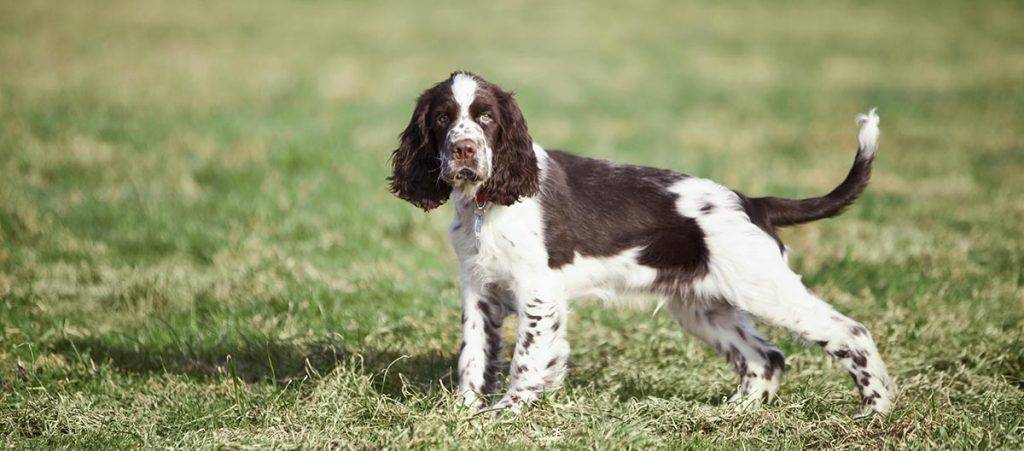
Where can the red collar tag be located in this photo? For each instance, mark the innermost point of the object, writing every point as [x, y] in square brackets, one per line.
[481, 198]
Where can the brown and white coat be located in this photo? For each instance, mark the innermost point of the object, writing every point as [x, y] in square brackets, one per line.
[535, 228]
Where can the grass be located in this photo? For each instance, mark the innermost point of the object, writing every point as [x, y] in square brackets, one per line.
[197, 248]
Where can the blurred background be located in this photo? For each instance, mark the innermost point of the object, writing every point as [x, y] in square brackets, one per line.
[197, 247]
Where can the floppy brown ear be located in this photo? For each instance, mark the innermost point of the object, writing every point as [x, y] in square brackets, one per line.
[416, 167]
[515, 173]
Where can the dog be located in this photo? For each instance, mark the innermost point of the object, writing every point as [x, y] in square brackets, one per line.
[535, 227]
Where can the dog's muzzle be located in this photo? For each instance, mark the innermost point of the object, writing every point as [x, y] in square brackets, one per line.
[464, 164]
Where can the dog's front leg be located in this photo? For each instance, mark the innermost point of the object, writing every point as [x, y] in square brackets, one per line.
[542, 350]
[482, 315]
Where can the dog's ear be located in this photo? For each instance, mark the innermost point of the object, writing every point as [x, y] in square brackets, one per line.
[416, 164]
[515, 173]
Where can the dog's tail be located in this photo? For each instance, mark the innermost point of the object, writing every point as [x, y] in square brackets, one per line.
[786, 212]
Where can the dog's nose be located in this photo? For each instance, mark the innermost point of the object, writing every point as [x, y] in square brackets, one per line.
[463, 149]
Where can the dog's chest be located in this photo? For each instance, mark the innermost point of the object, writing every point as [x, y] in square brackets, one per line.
[500, 241]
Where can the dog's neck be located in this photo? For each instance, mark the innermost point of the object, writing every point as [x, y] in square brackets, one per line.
[469, 197]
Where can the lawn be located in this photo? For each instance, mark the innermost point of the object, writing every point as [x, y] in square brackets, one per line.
[198, 249]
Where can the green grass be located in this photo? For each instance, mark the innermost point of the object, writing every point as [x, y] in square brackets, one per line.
[197, 248]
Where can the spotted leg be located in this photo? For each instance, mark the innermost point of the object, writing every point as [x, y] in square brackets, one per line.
[757, 361]
[483, 312]
[787, 303]
[542, 351]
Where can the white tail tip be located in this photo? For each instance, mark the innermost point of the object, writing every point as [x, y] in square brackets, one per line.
[868, 136]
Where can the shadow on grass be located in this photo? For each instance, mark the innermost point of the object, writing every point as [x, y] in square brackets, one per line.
[635, 390]
[288, 364]
[282, 363]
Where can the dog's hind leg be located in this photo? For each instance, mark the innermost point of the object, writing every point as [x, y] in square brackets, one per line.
[754, 277]
[747, 269]
[757, 361]
[797, 309]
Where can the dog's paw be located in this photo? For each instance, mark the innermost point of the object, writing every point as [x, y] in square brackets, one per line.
[512, 404]
[753, 392]
[508, 406]
[745, 402]
[869, 412]
[471, 400]
[501, 410]
[881, 405]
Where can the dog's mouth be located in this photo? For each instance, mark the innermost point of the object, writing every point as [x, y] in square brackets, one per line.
[462, 174]
[467, 175]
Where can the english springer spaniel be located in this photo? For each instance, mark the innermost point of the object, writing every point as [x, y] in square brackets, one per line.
[534, 228]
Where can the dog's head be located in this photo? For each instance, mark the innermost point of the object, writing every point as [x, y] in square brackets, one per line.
[469, 135]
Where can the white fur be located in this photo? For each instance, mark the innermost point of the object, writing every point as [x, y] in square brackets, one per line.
[606, 277]
[464, 92]
[464, 89]
[473, 359]
[868, 135]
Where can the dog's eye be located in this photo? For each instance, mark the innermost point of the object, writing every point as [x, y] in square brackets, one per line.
[485, 118]
[442, 119]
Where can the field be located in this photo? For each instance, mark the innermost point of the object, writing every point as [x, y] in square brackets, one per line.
[197, 247]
